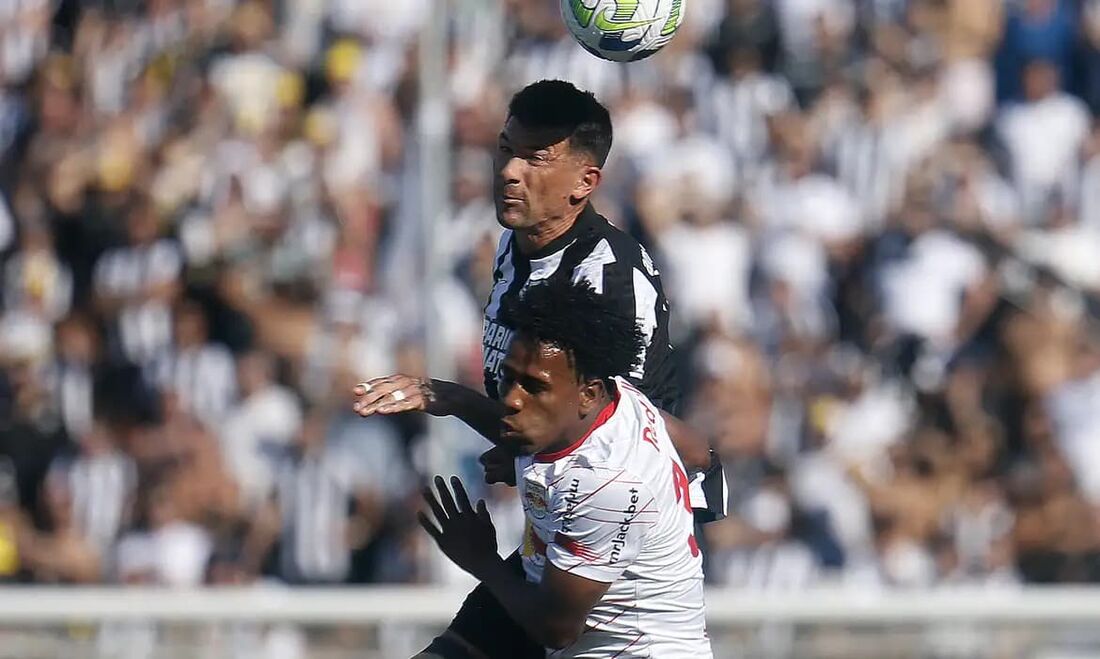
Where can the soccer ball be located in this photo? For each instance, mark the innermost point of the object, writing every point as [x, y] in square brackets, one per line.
[623, 30]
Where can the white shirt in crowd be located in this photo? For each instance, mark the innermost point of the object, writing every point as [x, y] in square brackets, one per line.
[1044, 140]
[706, 269]
[815, 204]
[924, 291]
[255, 435]
[1074, 407]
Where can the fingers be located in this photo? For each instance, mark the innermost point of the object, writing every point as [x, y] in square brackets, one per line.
[446, 507]
[389, 395]
[429, 527]
[412, 404]
[483, 511]
[433, 504]
[379, 391]
[461, 497]
[371, 385]
[445, 497]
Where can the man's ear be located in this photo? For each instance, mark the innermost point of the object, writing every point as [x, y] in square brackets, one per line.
[592, 394]
[588, 182]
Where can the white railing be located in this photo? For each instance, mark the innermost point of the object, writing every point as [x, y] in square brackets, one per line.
[431, 606]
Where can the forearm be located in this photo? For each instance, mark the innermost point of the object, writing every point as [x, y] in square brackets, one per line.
[475, 409]
[539, 613]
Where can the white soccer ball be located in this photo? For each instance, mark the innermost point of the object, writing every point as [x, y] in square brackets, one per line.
[623, 30]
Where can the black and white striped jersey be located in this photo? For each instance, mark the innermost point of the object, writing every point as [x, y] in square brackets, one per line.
[100, 488]
[617, 267]
[315, 494]
[620, 269]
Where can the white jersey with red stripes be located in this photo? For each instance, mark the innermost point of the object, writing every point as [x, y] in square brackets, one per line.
[615, 507]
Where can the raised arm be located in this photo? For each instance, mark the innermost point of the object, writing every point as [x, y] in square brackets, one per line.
[399, 393]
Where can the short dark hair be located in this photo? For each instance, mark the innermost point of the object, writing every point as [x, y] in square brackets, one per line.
[558, 104]
[599, 341]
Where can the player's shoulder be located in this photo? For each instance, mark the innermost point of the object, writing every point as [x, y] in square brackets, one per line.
[624, 246]
[604, 248]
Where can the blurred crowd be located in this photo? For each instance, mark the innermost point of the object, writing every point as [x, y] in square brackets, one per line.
[878, 223]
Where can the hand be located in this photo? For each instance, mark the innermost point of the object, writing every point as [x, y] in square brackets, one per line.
[465, 536]
[500, 466]
[395, 394]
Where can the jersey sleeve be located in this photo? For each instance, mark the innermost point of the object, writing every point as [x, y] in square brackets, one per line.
[710, 493]
[601, 520]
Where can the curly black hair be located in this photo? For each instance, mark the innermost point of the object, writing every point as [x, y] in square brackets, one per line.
[598, 341]
[557, 104]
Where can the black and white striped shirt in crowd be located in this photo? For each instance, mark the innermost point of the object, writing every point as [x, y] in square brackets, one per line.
[619, 269]
[71, 387]
[866, 159]
[203, 377]
[100, 488]
[736, 110]
[144, 328]
[780, 566]
[315, 495]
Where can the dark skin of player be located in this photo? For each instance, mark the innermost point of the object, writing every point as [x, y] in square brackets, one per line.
[548, 408]
[541, 185]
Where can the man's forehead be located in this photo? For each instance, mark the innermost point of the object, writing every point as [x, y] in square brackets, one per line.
[535, 138]
[540, 360]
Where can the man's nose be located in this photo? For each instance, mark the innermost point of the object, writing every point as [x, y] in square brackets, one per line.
[511, 169]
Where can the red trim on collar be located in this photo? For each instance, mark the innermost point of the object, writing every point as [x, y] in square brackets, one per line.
[605, 414]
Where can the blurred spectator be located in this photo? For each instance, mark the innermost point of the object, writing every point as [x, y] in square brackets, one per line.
[137, 284]
[169, 550]
[200, 373]
[35, 280]
[97, 486]
[1043, 134]
[1036, 30]
[260, 427]
[71, 376]
[767, 553]
[737, 108]
[322, 510]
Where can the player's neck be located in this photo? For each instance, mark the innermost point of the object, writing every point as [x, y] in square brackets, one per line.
[542, 234]
[583, 427]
